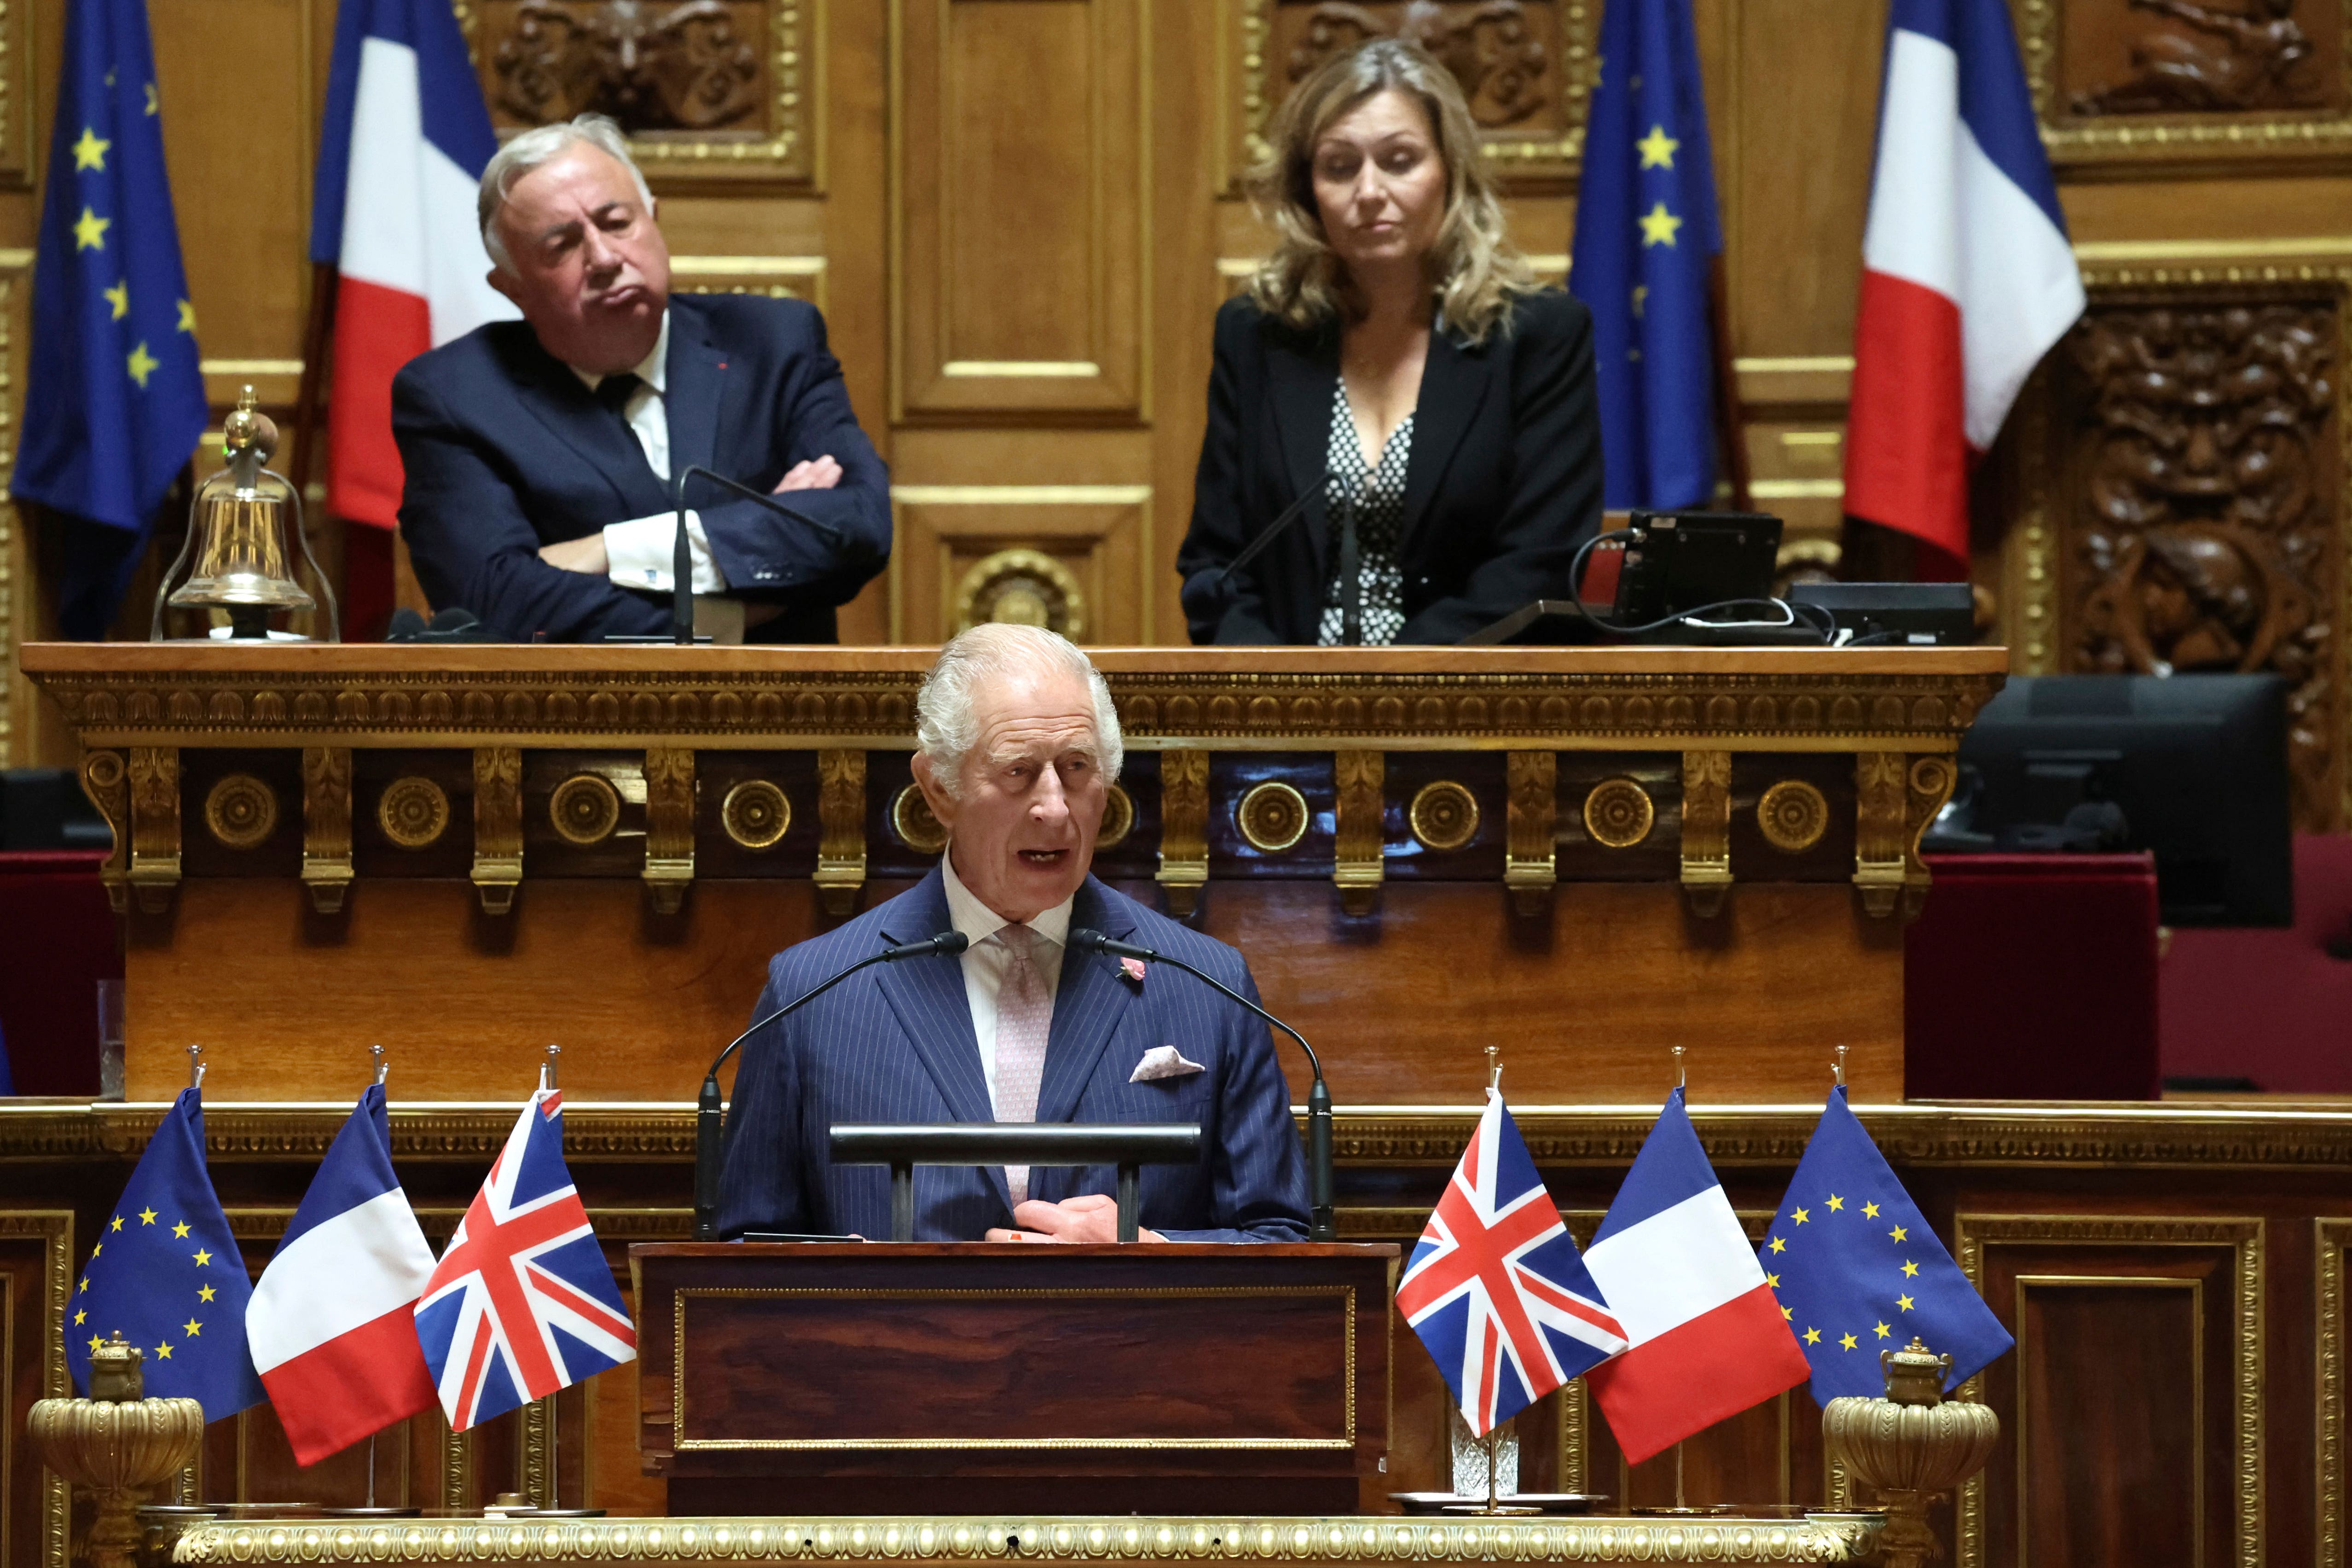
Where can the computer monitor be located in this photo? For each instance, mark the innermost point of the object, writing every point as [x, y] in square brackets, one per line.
[2197, 764]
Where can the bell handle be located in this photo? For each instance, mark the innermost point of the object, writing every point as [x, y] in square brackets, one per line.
[187, 549]
[302, 535]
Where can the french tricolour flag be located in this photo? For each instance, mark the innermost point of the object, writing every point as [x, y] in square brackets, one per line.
[400, 159]
[332, 1324]
[1681, 1278]
[1967, 279]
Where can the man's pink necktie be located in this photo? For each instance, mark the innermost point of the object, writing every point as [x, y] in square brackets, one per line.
[1024, 1015]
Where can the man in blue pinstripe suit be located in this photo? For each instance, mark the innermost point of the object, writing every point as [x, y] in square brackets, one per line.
[1019, 746]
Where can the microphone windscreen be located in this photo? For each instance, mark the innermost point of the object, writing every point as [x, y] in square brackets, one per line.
[1086, 940]
[951, 942]
[1207, 594]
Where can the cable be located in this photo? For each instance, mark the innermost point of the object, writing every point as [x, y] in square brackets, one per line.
[1826, 628]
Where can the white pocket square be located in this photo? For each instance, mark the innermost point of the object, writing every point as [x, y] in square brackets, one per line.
[1162, 1062]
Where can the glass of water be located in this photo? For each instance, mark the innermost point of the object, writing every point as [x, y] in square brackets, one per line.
[110, 1039]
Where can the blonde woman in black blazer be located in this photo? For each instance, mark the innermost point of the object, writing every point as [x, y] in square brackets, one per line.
[1395, 363]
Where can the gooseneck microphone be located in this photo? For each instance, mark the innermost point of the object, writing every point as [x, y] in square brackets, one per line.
[682, 593]
[1207, 594]
[709, 1110]
[1321, 1225]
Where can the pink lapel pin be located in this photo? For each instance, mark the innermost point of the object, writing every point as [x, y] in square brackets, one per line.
[1132, 968]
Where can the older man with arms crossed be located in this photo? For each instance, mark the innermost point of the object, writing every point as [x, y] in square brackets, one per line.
[1020, 746]
[540, 452]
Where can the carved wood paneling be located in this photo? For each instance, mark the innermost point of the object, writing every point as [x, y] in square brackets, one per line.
[1024, 217]
[2162, 80]
[1077, 558]
[2196, 498]
[1526, 66]
[704, 88]
[36, 1267]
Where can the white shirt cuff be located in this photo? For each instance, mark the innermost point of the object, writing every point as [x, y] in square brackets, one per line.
[639, 551]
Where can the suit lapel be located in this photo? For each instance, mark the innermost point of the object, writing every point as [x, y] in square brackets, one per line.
[697, 373]
[1303, 376]
[929, 995]
[555, 397]
[1088, 1004]
[1452, 383]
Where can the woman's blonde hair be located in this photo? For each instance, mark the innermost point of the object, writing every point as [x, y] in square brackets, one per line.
[1474, 269]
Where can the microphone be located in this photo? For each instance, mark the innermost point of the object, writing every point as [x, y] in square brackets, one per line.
[1320, 1226]
[1208, 593]
[681, 567]
[708, 1110]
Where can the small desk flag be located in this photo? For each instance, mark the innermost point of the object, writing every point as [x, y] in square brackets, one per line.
[1673, 1262]
[1643, 257]
[333, 1319]
[1495, 1289]
[522, 1302]
[166, 1275]
[115, 402]
[1857, 1269]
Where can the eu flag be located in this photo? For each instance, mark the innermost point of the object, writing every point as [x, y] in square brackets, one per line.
[1858, 1271]
[115, 403]
[1646, 239]
[166, 1275]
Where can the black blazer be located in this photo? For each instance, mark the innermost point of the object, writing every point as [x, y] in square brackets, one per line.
[505, 450]
[1503, 484]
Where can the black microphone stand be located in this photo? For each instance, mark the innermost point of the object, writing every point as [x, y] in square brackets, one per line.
[1321, 1226]
[709, 1111]
[681, 557]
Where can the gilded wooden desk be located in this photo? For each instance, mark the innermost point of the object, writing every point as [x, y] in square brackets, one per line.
[463, 853]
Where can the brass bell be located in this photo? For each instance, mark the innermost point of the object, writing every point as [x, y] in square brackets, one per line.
[237, 532]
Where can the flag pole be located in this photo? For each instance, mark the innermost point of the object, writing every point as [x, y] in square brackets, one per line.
[1837, 1068]
[1726, 385]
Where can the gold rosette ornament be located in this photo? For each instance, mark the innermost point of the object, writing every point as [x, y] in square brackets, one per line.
[1909, 1447]
[116, 1445]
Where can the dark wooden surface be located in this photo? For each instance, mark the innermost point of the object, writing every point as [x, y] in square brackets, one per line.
[1023, 1373]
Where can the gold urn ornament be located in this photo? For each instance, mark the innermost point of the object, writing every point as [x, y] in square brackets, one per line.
[1909, 1447]
[116, 1445]
[238, 526]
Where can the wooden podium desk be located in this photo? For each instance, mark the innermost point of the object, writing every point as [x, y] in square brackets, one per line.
[463, 853]
[972, 1379]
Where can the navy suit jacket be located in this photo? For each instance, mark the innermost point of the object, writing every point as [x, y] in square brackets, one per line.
[894, 1044]
[505, 450]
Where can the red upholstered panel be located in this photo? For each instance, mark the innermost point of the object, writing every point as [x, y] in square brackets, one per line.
[57, 940]
[2033, 976]
[2271, 1005]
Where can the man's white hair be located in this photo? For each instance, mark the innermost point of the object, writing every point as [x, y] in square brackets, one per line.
[947, 716]
[543, 145]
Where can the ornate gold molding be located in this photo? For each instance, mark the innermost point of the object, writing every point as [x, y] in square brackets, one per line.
[54, 1229]
[498, 826]
[756, 814]
[327, 825]
[413, 812]
[669, 826]
[154, 825]
[1618, 813]
[240, 811]
[584, 809]
[104, 779]
[841, 813]
[1793, 815]
[1530, 866]
[1973, 1233]
[1356, 841]
[1119, 1538]
[912, 820]
[1706, 831]
[113, 697]
[1444, 815]
[1880, 798]
[2330, 1237]
[1183, 829]
[1272, 816]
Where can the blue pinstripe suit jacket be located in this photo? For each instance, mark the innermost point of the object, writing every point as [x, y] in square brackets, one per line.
[896, 1045]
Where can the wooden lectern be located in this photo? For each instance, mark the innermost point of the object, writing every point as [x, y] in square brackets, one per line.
[965, 1377]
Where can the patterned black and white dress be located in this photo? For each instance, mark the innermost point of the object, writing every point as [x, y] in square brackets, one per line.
[1378, 496]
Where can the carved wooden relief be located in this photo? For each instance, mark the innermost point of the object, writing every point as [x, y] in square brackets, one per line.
[702, 87]
[2162, 79]
[1524, 65]
[2202, 524]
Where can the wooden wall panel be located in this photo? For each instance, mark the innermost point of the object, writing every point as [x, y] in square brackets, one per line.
[2104, 1309]
[1021, 277]
[1070, 554]
[35, 1263]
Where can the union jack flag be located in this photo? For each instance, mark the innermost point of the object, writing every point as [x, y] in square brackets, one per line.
[1495, 1287]
[522, 1303]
